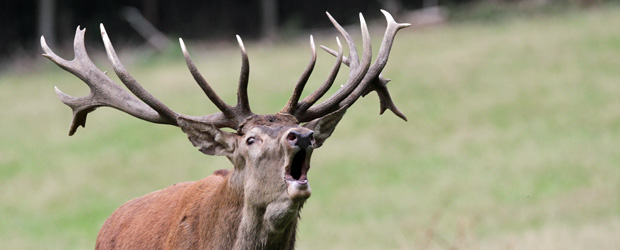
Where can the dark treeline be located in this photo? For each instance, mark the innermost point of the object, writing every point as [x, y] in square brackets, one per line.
[23, 22]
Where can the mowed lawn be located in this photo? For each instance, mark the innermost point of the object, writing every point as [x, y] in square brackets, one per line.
[513, 140]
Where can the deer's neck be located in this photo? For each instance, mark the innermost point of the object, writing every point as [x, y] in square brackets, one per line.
[268, 226]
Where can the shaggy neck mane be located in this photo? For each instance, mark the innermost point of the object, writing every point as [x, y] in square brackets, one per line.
[245, 225]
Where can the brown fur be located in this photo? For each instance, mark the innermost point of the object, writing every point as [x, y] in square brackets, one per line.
[250, 207]
[255, 206]
[192, 215]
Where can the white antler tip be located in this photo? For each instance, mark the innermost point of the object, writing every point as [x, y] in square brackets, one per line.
[331, 18]
[362, 20]
[48, 53]
[183, 48]
[388, 16]
[363, 23]
[240, 43]
[60, 94]
[390, 20]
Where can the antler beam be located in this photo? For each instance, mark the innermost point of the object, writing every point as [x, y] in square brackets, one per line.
[104, 92]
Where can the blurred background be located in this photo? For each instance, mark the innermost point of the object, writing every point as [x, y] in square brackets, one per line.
[513, 138]
[149, 22]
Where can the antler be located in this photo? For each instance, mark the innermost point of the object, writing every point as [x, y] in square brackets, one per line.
[104, 92]
[363, 77]
[234, 115]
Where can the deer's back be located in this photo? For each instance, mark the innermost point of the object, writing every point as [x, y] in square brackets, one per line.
[161, 219]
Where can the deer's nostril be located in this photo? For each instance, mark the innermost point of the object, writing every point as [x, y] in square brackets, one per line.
[292, 136]
[296, 138]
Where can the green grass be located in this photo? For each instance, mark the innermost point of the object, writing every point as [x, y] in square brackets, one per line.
[512, 142]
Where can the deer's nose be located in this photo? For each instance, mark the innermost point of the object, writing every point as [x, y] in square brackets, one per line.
[302, 140]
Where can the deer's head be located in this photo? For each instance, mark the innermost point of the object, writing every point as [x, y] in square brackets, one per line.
[271, 153]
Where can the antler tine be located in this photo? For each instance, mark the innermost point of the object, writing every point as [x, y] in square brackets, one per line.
[66, 65]
[347, 38]
[292, 104]
[204, 85]
[79, 61]
[317, 94]
[358, 71]
[332, 52]
[373, 81]
[231, 117]
[103, 91]
[131, 82]
[242, 92]
[386, 45]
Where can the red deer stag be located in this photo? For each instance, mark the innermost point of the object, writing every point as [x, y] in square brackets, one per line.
[257, 204]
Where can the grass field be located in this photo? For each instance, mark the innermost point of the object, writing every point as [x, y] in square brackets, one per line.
[513, 141]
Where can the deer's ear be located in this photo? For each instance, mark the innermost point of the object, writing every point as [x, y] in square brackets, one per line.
[208, 138]
[324, 127]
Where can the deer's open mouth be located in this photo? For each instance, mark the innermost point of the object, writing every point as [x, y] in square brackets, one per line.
[298, 168]
[296, 178]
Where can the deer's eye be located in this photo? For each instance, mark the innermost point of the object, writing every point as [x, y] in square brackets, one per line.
[250, 141]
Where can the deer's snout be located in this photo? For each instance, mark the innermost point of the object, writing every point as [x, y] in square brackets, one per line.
[300, 139]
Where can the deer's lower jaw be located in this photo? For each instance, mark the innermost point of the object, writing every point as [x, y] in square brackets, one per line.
[298, 190]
